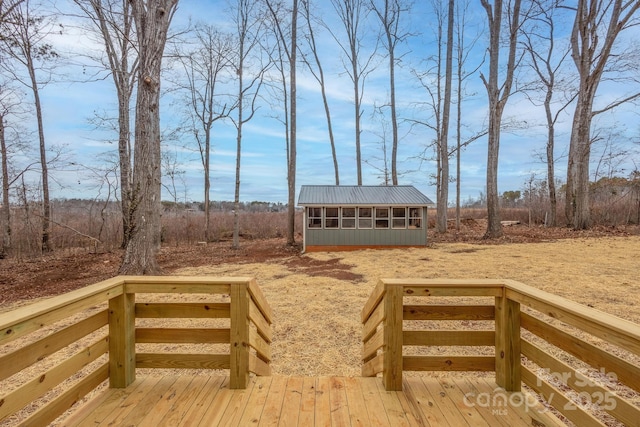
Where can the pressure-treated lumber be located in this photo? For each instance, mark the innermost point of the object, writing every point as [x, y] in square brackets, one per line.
[508, 344]
[392, 373]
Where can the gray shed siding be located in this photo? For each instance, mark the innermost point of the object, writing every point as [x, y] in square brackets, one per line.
[368, 237]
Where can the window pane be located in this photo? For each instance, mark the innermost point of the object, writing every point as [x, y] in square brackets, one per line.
[382, 223]
[382, 217]
[415, 217]
[348, 223]
[348, 212]
[399, 223]
[364, 217]
[315, 218]
[331, 223]
[330, 217]
[364, 222]
[399, 217]
[348, 217]
[382, 212]
[315, 222]
[364, 212]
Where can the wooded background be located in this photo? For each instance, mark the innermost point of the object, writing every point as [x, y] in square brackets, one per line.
[576, 61]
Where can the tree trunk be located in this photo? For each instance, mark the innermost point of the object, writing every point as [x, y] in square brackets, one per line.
[320, 78]
[236, 199]
[152, 20]
[46, 205]
[551, 184]
[577, 196]
[459, 129]
[494, 224]
[443, 144]
[124, 158]
[334, 154]
[207, 187]
[356, 105]
[498, 95]
[6, 210]
[394, 115]
[594, 33]
[291, 209]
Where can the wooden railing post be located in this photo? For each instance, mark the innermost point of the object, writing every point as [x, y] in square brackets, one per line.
[239, 352]
[508, 344]
[392, 364]
[122, 340]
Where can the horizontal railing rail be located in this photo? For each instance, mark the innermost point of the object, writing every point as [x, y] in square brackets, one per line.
[583, 362]
[94, 336]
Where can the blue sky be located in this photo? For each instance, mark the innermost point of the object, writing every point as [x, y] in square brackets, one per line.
[68, 107]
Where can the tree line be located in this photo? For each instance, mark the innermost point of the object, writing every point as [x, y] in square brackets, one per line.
[222, 73]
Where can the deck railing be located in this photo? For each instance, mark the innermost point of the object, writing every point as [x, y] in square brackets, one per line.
[96, 332]
[583, 362]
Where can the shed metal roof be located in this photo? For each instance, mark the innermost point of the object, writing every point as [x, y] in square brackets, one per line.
[401, 195]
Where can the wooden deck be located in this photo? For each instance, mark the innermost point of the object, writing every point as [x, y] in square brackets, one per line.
[296, 401]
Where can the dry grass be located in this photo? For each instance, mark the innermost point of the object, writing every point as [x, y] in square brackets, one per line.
[317, 318]
[317, 328]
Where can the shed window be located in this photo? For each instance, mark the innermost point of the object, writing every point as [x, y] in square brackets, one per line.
[382, 217]
[415, 217]
[330, 217]
[348, 218]
[399, 217]
[364, 217]
[314, 217]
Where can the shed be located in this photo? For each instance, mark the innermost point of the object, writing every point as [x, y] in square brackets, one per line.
[351, 217]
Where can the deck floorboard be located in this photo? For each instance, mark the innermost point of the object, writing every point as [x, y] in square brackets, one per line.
[305, 401]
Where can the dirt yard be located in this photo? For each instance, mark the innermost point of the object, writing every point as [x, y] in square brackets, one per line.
[317, 298]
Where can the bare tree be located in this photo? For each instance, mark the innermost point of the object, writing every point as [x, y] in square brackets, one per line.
[291, 208]
[172, 169]
[498, 94]
[597, 25]
[13, 145]
[249, 29]
[286, 36]
[152, 20]
[112, 20]
[463, 50]
[352, 13]
[612, 154]
[318, 73]
[390, 12]
[546, 62]
[24, 35]
[6, 209]
[10, 145]
[6, 7]
[381, 162]
[438, 86]
[206, 67]
[443, 144]
[104, 179]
